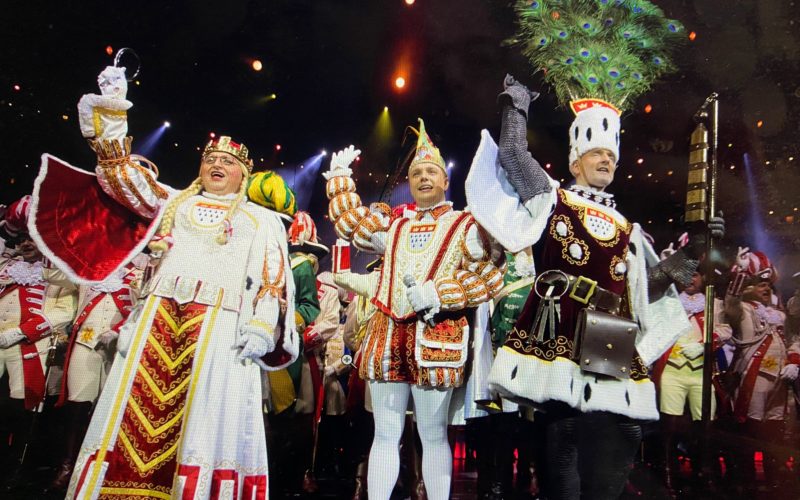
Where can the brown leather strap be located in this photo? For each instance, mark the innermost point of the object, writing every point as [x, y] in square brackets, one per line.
[595, 296]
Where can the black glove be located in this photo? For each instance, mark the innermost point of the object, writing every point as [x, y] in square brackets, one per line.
[698, 232]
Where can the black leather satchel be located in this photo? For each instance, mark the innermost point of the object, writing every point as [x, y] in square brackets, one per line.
[605, 343]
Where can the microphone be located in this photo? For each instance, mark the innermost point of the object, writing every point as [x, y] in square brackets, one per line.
[427, 317]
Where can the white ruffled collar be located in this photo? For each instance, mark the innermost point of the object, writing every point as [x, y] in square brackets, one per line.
[26, 273]
[694, 303]
[768, 315]
[595, 195]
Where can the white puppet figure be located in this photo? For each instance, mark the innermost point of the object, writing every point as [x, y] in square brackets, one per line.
[106, 114]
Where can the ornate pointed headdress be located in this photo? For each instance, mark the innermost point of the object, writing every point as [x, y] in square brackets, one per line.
[426, 152]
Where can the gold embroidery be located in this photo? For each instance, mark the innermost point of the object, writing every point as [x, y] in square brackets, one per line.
[547, 350]
[568, 239]
[111, 174]
[450, 355]
[581, 209]
[98, 465]
[448, 331]
[126, 178]
[613, 267]
[553, 226]
[154, 463]
[128, 493]
[580, 261]
[274, 288]
[148, 426]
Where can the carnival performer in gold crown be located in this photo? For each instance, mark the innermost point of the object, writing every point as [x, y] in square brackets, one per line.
[180, 415]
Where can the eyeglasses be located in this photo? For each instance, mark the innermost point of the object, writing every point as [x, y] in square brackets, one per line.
[224, 159]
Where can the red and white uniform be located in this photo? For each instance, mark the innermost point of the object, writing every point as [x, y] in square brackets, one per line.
[679, 377]
[761, 356]
[37, 302]
[102, 308]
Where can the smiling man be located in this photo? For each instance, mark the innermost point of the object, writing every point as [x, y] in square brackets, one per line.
[766, 360]
[603, 308]
[180, 413]
[438, 263]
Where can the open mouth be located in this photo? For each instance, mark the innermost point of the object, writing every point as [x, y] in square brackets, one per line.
[603, 169]
[425, 188]
[217, 175]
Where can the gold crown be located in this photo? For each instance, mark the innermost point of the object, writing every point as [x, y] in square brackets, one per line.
[226, 145]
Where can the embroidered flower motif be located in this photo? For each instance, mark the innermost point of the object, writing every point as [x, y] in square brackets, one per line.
[87, 334]
[561, 229]
[575, 251]
[769, 364]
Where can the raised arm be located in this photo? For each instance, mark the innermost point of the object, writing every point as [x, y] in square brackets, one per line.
[129, 179]
[365, 227]
[479, 277]
[522, 169]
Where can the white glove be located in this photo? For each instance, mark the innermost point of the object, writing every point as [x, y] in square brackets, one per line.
[667, 252]
[790, 372]
[106, 340]
[523, 265]
[330, 371]
[378, 241]
[255, 342]
[424, 298]
[10, 337]
[694, 350]
[340, 162]
[125, 337]
[742, 258]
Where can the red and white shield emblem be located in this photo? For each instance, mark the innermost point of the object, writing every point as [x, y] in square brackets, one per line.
[599, 224]
[420, 235]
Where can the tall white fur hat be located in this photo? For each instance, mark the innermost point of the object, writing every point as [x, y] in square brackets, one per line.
[596, 125]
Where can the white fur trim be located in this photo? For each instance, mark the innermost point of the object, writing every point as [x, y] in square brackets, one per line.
[663, 321]
[528, 379]
[59, 263]
[594, 128]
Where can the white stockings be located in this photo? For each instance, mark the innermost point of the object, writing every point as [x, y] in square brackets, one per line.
[389, 403]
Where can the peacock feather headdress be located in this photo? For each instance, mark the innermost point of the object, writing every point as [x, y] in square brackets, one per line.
[611, 50]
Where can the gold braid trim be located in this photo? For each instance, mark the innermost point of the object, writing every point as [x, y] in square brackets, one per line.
[455, 301]
[126, 178]
[151, 182]
[273, 288]
[112, 177]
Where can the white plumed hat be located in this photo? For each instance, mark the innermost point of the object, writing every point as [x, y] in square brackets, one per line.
[596, 125]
